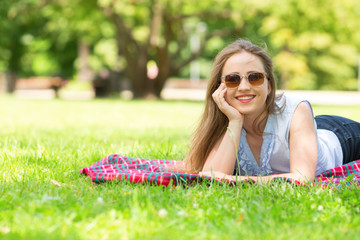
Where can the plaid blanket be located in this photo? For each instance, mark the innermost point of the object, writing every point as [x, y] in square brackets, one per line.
[157, 171]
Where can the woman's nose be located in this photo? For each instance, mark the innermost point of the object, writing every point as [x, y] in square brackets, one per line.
[244, 84]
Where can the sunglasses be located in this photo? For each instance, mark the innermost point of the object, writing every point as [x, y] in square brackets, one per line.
[232, 80]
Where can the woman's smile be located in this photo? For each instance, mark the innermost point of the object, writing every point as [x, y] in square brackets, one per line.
[245, 98]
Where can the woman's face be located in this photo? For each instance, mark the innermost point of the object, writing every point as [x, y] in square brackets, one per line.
[247, 99]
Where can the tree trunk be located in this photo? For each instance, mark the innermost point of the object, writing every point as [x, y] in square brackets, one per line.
[163, 75]
[139, 83]
[17, 50]
[159, 85]
[136, 71]
[10, 78]
[85, 73]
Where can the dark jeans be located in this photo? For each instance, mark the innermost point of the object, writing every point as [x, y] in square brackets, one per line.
[348, 132]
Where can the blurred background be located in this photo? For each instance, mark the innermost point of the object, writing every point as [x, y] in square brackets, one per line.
[138, 48]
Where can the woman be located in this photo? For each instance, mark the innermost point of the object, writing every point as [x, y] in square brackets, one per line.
[247, 129]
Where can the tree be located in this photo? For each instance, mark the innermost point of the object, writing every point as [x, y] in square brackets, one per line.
[17, 20]
[160, 30]
[79, 23]
[25, 40]
[315, 43]
[42, 37]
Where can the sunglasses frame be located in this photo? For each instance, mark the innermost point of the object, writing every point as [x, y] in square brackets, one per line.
[243, 76]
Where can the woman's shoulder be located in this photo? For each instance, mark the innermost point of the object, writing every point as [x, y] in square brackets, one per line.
[288, 103]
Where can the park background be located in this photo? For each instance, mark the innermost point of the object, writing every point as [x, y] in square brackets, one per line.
[139, 46]
[145, 50]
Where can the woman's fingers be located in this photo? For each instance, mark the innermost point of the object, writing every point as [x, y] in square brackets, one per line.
[219, 97]
[222, 94]
[216, 174]
[215, 94]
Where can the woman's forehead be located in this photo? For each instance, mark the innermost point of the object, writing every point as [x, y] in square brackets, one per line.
[243, 61]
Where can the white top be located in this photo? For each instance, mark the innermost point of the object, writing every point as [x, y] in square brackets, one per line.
[274, 155]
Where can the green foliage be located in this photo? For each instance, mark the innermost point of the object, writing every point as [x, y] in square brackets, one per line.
[315, 44]
[316, 41]
[44, 35]
[4, 7]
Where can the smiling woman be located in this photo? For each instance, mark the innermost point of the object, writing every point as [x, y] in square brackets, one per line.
[247, 129]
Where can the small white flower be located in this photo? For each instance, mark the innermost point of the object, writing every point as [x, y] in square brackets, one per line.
[162, 212]
[320, 208]
[100, 200]
[181, 213]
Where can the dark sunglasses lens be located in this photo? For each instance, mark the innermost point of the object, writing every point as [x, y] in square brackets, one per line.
[232, 80]
[256, 79]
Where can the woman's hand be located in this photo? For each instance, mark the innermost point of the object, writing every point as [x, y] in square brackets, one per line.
[221, 175]
[229, 111]
[216, 174]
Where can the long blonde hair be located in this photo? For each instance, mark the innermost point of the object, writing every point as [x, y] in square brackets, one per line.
[213, 123]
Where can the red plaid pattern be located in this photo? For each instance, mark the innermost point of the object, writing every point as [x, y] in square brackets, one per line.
[157, 171]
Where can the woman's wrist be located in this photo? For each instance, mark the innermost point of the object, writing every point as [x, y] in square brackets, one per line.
[235, 123]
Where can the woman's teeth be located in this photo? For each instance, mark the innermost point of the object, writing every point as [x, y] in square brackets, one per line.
[245, 97]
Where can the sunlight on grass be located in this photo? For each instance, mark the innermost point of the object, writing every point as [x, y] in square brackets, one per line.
[44, 144]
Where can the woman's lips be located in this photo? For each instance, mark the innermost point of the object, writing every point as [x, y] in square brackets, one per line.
[245, 98]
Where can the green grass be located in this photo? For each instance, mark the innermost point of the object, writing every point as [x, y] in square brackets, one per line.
[41, 141]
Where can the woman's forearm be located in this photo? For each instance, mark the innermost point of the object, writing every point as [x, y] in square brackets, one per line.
[224, 158]
[294, 176]
[257, 179]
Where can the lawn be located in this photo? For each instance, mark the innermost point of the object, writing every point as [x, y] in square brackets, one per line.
[44, 144]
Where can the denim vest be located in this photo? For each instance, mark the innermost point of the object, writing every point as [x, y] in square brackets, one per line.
[274, 155]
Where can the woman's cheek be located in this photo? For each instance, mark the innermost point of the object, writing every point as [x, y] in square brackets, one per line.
[229, 99]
